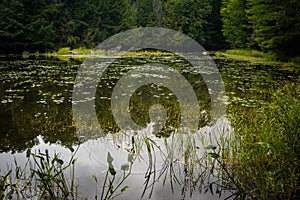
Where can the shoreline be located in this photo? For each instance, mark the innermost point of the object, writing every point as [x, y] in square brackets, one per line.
[252, 56]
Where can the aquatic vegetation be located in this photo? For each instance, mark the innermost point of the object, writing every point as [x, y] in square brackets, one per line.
[42, 177]
[259, 161]
[266, 158]
[46, 176]
[113, 187]
[255, 56]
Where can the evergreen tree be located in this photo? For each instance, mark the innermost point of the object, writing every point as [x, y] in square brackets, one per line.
[192, 15]
[12, 29]
[129, 19]
[277, 25]
[214, 38]
[171, 18]
[236, 28]
[83, 25]
[145, 15]
[111, 16]
[31, 25]
[41, 19]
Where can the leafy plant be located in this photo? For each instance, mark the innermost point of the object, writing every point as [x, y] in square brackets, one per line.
[112, 186]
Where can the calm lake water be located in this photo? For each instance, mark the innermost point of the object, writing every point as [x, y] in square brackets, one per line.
[36, 112]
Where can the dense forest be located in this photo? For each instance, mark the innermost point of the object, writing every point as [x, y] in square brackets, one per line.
[45, 25]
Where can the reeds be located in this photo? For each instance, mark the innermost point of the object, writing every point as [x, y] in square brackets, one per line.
[266, 160]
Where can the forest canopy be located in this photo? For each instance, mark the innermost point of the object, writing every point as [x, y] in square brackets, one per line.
[45, 25]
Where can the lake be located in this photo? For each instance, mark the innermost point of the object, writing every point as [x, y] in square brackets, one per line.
[36, 112]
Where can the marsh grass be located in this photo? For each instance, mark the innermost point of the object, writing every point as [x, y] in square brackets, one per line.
[267, 154]
[50, 177]
[42, 177]
[78, 53]
[189, 160]
[255, 56]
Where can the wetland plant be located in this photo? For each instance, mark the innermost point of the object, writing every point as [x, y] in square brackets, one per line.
[266, 160]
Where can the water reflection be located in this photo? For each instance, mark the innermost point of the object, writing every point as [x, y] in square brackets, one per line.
[179, 165]
[35, 99]
[35, 104]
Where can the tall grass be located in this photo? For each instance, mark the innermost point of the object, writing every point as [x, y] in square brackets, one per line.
[255, 56]
[49, 177]
[267, 156]
[42, 177]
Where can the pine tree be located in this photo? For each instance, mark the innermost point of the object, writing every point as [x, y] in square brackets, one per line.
[129, 19]
[214, 38]
[277, 25]
[236, 27]
[192, 15]
[12, 29]
[171, 17]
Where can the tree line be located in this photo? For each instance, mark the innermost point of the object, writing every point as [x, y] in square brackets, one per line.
[267, 25]
[45, 25]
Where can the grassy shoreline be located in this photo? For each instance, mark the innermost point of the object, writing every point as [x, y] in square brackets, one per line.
[255, 56]
[252, 56]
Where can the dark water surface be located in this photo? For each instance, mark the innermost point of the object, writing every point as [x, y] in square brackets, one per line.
[36, 111]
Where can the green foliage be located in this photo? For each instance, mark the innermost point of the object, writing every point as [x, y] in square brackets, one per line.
[112, 183]
[42, 177]
[245, 52]
[268, 152]
[214, 38]
[145, 13]
[171, 18]
[82, 51]
[235, 23]
[64, 51]
[45, 25]
[130, 15]
[51, 24]
[192, 17]
[272, 26]
[276, 25]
